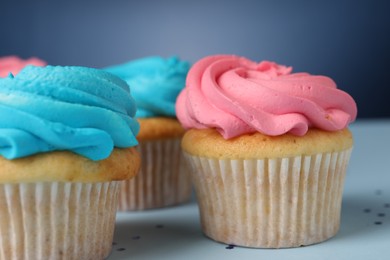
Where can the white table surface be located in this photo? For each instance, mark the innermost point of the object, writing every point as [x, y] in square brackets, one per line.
[174, 232]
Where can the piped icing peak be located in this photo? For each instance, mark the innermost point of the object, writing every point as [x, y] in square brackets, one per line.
[238, 96]
[85, 110]
[155, 83]
[13, 64]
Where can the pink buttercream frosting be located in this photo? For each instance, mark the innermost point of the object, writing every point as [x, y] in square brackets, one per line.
[14, 64]
[238, 96]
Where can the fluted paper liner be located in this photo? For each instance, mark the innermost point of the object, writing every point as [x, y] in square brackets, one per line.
[60, 220]
[163, 179]
[270, 203]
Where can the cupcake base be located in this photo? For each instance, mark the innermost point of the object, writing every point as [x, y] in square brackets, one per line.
[60, 220]
[270, 203]
[163, 179]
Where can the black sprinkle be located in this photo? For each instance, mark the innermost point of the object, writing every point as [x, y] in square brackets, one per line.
[367, 210]
[378, 222]
[387, 205]
[378, 192]
[230, 247]
[136, 237]
[159, 226]
[381, 214]
[121, 249]
[114, 243]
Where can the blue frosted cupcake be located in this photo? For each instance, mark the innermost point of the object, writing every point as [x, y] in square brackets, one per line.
[67, 137]
[163, 179]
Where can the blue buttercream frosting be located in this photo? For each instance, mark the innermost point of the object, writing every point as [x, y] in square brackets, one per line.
[84, 110]
[155, 83]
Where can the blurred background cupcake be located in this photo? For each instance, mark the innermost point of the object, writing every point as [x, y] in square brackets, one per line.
[163, 179]
[13, 64]
[67, 137]
[268, 150]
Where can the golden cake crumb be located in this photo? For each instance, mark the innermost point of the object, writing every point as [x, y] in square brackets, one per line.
[159, 128]
[65, 166]
[209, 143]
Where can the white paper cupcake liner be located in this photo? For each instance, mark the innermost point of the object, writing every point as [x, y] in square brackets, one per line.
[163, 179]
[60, 220]
[270, 203]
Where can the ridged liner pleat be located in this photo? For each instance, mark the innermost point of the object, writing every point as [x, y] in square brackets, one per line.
[60, 220]
[163, 179]
[270, 203]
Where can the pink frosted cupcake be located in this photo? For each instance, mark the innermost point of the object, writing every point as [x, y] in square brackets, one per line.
[268, 150]
[13, 64]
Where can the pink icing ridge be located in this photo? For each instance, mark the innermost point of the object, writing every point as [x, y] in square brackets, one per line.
[238, 96]
[14, 64]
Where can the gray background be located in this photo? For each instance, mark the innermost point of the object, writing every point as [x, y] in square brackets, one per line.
[346, 40]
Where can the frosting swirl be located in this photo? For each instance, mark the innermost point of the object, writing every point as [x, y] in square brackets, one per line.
[238, 96]
[155, 83]
[85, 110]
[13, 64]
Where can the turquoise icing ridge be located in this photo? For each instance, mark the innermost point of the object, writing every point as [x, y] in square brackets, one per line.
[85, 110]
[155, 83]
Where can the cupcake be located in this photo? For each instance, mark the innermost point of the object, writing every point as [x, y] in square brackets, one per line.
[163, 179]
[13, 64]
[268, 150]
[67, 137]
